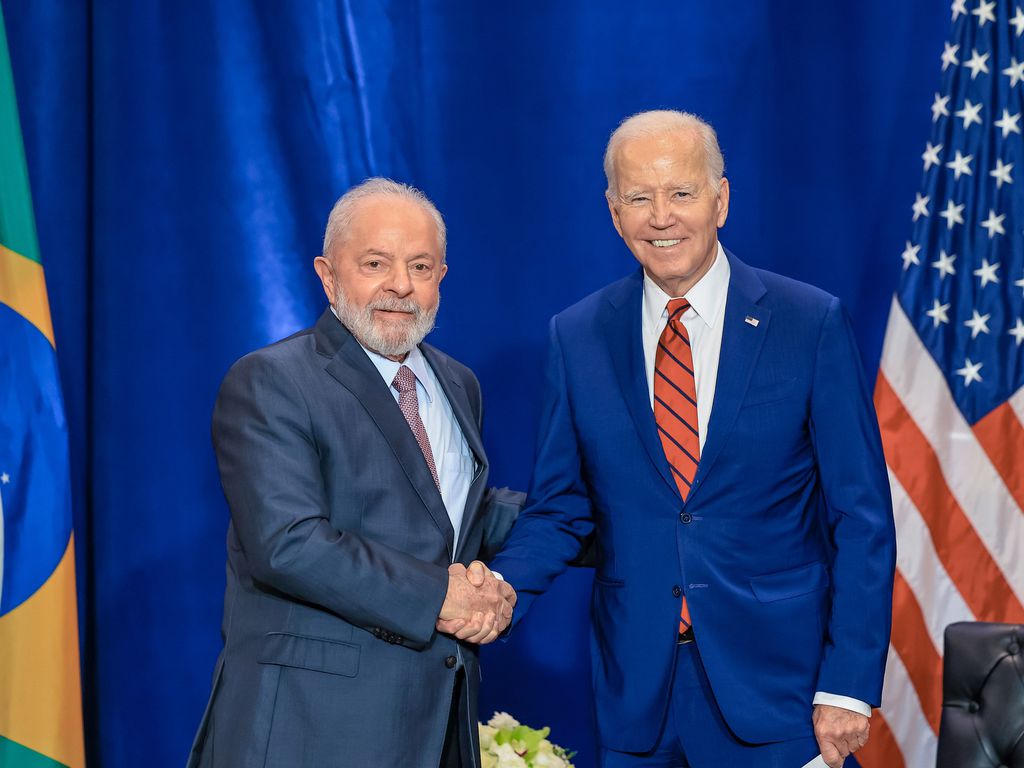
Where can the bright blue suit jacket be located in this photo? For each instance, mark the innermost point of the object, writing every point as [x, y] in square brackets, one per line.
[785, 546]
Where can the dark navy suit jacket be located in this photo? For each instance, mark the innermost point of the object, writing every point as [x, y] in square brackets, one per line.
[338, 552]
[784, 547]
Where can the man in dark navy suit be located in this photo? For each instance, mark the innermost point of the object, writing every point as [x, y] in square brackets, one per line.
[351, 458]
[710, 426]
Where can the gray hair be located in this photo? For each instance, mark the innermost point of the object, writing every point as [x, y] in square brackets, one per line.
[657, 122]
[340, 218]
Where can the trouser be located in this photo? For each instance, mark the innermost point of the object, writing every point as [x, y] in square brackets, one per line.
[695, 735]
[451, 752]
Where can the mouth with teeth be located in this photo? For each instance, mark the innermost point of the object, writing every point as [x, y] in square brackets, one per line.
[665, 243]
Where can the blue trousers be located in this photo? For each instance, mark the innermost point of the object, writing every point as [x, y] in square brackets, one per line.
[694, 734]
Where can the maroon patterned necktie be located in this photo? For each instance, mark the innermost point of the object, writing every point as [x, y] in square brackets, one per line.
[405, 383]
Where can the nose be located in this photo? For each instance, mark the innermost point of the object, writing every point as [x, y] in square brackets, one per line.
[661, 212]
[399, 283]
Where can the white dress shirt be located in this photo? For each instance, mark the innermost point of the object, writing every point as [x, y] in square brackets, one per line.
[704, 321]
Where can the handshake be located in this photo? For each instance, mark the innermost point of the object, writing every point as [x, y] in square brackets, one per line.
[478, 606]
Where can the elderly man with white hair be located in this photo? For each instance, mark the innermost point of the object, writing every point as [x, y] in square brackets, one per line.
[709, 425]
[351, 459]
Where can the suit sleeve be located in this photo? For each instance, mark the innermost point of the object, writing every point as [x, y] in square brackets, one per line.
[270, 471]
[552, 529]
[854, 481]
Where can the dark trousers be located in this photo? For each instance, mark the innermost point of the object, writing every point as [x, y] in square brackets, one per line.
[695, 735]
[451, 752]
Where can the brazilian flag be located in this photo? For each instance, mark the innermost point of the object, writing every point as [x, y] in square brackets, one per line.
[40, 688]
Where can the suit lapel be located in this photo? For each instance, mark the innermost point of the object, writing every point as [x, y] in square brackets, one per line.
[625, 345]
[350, 366]
[741, 346]
[458, 399]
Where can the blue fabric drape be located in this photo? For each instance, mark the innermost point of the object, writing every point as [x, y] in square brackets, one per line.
[183, 157]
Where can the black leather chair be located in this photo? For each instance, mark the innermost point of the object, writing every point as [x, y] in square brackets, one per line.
[982, 696]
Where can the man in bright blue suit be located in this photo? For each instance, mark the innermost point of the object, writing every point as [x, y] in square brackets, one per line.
[709, 425]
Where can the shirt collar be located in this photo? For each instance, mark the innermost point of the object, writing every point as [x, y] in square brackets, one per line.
[388, 369]
[707, 297]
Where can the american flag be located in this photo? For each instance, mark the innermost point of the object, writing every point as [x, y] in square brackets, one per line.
[950, 390]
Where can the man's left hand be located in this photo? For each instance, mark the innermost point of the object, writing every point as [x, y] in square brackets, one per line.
[839, 732]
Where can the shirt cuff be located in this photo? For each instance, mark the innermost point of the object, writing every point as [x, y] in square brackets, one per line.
[832, 700]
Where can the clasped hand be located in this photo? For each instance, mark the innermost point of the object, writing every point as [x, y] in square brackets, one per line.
[478, 606]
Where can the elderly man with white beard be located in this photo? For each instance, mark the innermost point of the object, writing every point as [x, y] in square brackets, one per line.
[351, 459]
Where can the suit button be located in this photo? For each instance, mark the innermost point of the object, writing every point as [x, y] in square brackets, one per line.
[676, 591]
[450, 662]
[685, 517]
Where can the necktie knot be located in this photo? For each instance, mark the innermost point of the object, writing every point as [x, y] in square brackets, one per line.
[405, 380]
[676, 308]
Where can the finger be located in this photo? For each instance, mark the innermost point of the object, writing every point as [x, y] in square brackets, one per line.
[477, 573]
[491, 637]
[508, 593]
[450, 626]
[472, 627]
[831, 755]
[488, 627]
[506, 612]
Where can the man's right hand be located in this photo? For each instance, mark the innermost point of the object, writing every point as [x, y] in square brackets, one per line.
[478, 606]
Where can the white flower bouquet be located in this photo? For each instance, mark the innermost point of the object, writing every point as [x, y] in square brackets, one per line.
[506, 743]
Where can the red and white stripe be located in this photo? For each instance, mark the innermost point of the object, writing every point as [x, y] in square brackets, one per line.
[958, 496]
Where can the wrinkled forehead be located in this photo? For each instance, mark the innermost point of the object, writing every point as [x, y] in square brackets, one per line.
[664, 160]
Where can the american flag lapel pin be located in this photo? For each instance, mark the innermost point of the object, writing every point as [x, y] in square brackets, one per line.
[751, 321]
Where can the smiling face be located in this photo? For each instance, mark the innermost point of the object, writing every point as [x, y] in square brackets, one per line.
[383, 276]
[666, 209]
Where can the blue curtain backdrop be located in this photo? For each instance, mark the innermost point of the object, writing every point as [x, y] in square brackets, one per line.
[183, 158]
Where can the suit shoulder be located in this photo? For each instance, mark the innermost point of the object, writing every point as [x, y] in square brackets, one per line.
[789, 294]
[589, 308]
[285, 353]
[461, 370]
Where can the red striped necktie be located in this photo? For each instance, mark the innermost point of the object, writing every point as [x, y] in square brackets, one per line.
[675, 408]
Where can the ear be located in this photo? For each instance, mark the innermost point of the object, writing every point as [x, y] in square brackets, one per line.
[444, 271]
[325, 272]
[613, 209]
[723, 202]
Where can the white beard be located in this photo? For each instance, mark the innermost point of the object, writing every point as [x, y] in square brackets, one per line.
[395, 341]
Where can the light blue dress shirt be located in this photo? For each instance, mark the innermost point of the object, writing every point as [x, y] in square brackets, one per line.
[452, 457]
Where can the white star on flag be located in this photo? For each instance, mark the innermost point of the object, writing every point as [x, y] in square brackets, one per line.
[1020, 284]
[949, 56]
[1015, 72]
[1001, 173]
[939, 107]
[970, 372]
[1018, 331]
[5, 478]
[984, 12]
[994, 224]
[931, 155]
[959, 8]
[971, 113]
[954, 214]
[987, 272]
[1017, 22]
[910, 255]
[920, 206]
[938, 313]
[1009, 123]
[961, 165]
[978, 324]
[945, 264]
[977, 63]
